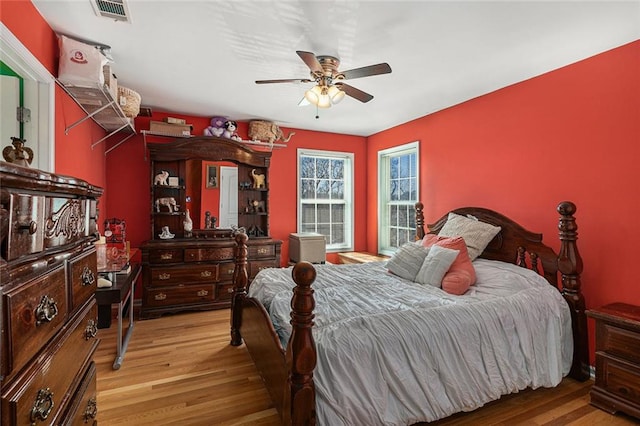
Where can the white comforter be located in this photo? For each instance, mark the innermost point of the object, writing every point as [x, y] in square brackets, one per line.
[393, 352]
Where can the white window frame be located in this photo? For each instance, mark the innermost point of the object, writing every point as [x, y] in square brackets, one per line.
[383, 185]
[39, 97]
[348, 194]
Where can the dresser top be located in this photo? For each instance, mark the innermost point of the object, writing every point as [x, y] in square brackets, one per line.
[617, 312]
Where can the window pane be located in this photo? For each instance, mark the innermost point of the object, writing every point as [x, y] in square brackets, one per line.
[337, 234]
[393, 169]
[308, 213]
[309, 227]
[404, 166]
[404, 189]
[322, 168]
[337, 169]
[402, 216]
[393, 237]
[394, 193]
[308, 190]
[307, 167]
[337, 213]
[393, 216]
[324, 214]
[337, 190]
[322, 190]
[325, 230]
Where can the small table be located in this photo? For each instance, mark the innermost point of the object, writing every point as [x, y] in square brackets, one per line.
[122, 288]
[360, 257]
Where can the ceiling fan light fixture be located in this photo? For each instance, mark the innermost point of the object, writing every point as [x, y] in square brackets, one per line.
[313, 95]
[335, 94]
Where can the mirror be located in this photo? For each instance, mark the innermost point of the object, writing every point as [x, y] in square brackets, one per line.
[207, 184]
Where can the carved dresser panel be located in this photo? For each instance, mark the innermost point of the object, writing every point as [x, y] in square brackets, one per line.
[48, 278]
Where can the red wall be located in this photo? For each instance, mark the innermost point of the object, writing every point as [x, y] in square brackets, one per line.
[73, 153]
[571, 134]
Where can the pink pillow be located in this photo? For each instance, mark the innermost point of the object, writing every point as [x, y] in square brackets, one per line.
[461, 275]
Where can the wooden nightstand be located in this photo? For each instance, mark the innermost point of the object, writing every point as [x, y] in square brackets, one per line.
[617, 386]
[360, 257]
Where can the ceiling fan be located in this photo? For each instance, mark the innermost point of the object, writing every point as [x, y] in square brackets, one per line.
[330, 87]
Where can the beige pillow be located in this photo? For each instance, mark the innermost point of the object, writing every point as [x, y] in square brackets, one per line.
[407, 261]
[476, 234]
[436, 265]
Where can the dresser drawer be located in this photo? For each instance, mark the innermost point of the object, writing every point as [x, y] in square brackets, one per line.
[257, 251]
[50, 388]
[618, 377]
[35, 312]
[184, 274]
[205, 254]
[83, 278]
[256, 266]
[65, 221]
[166, 256]
[225, 291]
[618, 341]
[84, 409]
[178, 295]
[225, 271]
[26, 227]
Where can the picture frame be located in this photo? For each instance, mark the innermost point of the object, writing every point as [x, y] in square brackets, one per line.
[213, 177]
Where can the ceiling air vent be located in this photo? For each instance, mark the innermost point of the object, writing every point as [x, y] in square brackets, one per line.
[113, 9]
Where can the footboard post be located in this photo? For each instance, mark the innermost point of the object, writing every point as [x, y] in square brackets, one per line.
[570, 266]
[419, 221]
[299, 406]
[240, 280]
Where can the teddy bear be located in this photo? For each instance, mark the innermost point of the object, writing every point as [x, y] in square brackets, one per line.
[217, 127]
[229, 132]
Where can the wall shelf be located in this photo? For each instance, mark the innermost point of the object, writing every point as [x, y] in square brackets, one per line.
[99, 105]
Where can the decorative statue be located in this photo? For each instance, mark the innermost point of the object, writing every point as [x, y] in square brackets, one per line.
[166, 234]
[188, 224]
[161, 178]
[169, 202]
[259, 179]
[267, 131]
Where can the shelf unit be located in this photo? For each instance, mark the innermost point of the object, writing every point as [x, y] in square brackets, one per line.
[99, 105]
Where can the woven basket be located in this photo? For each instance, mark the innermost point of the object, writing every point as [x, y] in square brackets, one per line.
[129, 101]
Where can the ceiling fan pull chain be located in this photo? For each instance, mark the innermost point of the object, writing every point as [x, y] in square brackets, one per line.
[317, 112]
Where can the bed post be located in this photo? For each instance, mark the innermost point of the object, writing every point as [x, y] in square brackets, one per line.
[240, 279]
[419, 221]
[299, 406]
[570, 266]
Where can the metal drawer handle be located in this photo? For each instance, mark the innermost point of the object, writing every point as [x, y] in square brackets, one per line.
[205, 274]
[87, 277]
[166, 256]
[160, 296]
[31, 226]
[43, 406]
[203, 293]
[91, 330]
[263, 251]
[164, 276]
[46, 310]
[230, 290]
[91, 411]
[230, 271]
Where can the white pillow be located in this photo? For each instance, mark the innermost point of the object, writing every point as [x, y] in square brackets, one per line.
[436, 265]
[476, 234]
[407, 261]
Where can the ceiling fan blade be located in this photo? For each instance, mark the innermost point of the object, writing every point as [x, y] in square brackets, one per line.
[311, 61]
[355, 93]
[382, 68]
[286, 80]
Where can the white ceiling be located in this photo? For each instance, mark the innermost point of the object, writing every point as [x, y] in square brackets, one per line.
[201, 58]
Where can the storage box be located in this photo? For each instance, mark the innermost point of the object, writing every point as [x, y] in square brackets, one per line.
[170, 129]
[111, 81]
[308, 246]
[173, 120]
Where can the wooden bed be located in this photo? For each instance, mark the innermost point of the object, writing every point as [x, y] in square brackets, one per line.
[288, 374]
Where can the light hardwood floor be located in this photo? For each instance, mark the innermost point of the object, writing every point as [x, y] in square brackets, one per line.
[181, 370]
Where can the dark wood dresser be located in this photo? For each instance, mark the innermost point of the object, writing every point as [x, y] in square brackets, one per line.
[617, 386]
[197, 274]
[48, 279]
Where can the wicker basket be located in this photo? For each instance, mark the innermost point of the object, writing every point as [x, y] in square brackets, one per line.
[129, 101]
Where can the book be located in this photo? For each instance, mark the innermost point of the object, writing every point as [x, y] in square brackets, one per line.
[173, 120]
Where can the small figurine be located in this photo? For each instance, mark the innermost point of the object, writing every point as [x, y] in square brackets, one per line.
[188, 224]
[18, 154]
[207, 219]
[169, 202]
[259, 179]
[166, 234]
[161, 178]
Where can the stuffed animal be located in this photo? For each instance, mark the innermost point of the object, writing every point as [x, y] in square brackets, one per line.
[229, 132]
[217, 126]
